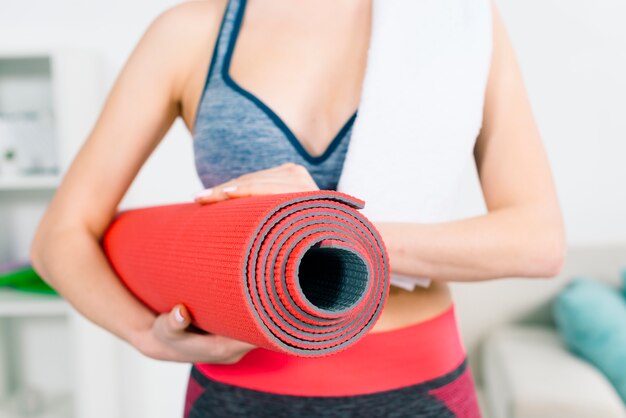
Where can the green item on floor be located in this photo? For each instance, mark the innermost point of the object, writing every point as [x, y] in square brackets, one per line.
[25, 279]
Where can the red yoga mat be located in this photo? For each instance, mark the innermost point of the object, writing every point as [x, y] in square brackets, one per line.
[303, 273]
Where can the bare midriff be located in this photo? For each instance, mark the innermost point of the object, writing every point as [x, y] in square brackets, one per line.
[404, 308]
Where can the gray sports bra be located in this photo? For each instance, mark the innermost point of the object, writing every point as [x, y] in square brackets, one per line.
[236, 133]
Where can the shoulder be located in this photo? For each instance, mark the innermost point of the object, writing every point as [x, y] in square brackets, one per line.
[186, 25]
[182, 36]
[190, 18]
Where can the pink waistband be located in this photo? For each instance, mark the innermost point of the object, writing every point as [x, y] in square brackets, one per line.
[379, 361]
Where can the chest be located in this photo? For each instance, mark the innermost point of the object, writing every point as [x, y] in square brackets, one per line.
[255, 114]
[303, 60]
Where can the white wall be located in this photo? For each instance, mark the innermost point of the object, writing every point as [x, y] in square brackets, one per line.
[573, 55]
[573, 58]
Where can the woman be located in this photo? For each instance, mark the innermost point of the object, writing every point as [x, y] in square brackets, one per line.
[296, 91]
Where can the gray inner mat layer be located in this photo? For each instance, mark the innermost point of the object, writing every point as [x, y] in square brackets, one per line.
[332, 279]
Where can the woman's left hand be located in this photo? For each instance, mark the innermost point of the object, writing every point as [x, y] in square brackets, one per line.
[285, 178]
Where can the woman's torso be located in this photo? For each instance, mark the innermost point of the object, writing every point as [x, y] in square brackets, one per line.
[301, 66]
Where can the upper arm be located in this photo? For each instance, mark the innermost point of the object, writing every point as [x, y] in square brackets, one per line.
[511, 160]
[139, 110]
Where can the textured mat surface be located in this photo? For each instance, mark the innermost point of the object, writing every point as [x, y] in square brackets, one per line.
[304, 273]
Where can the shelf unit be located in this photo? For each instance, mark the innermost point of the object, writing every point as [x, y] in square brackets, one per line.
[49, 101]
[46, 182]
[14, 303]
[60, 407]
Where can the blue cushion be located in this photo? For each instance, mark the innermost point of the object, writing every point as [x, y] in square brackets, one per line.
[591, 318]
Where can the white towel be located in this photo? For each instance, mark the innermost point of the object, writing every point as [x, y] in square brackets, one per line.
[421, 110]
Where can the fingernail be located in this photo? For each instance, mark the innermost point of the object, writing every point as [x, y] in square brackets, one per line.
[203, 193]
[178, 315]
[229, 189]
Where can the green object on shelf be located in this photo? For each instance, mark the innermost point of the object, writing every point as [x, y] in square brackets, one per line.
[25, 279]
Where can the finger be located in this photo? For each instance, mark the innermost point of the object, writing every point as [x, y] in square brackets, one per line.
[210, 348]
[284, 173]
[220, 191]
[263, 188]
[213, 193]
[226, 350]
[216, 193]
[252, 187]
[175, 322]
[282, 176]
[233, 348]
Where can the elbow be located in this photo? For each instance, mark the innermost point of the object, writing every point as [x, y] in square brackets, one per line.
[552, 263]
[548, 253]
[42, 249]
[37, 251]
[52, 246]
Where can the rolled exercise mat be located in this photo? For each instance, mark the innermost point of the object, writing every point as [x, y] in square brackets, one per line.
[303, 273]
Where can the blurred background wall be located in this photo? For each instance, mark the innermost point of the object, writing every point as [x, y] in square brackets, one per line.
[573, 56]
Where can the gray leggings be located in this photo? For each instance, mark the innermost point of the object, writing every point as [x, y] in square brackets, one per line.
[448, 396]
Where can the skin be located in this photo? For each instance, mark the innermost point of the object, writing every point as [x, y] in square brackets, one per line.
[521, 235]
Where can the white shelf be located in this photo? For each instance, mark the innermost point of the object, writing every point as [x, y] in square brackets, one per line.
[59, 408]
[43, 182]
[15, 303]
[54, 97]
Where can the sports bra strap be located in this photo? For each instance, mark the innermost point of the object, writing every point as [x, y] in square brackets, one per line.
[224, 35]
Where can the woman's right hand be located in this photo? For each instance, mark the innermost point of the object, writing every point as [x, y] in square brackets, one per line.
[169, 339]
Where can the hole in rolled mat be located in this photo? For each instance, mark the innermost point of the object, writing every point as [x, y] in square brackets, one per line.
[333, 279]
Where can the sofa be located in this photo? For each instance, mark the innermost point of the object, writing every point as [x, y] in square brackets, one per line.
[522, 367]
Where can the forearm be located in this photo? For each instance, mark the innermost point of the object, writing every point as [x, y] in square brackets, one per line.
[512, 242]
[71, 260]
